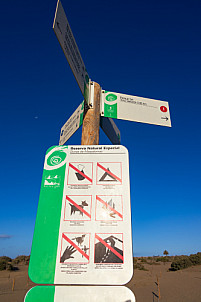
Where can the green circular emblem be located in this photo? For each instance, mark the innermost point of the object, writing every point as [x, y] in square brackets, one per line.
[56, 158]
[111, 97]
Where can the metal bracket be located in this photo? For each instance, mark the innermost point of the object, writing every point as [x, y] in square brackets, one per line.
[91, 94]
[102, 102]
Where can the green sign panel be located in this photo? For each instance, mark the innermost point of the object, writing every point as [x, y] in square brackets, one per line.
[83, 226]
[45, 239]
[110, 105]
[80, 294]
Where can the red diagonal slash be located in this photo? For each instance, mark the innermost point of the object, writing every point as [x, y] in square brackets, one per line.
[109, 172]
[109, 207]
[75, 246]
[81, 173]
[109, 247]
[77, 206]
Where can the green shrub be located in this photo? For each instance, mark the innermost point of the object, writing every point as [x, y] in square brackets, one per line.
[10, 267]
[181, 263]
[5, 258]
[2, 265]
[5, 263]
[195, 258]
[140, 267]
[144, 260]
[22, 258]
[163, 259]
[153, 263]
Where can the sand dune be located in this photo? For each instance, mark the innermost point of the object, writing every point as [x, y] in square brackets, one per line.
[180, 286]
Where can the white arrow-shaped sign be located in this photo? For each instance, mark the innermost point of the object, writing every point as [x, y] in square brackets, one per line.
[72, 124]
[135, 108]
[67, 41]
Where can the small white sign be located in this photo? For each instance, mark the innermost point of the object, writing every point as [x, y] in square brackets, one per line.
[134, 108]
[67, 41]
[72, 124]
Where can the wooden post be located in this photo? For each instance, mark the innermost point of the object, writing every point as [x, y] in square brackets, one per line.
[159, 292]
[13, 286]
[91, 122]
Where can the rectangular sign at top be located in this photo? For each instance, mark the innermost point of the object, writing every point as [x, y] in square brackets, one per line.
[67, 41]
[135, 108]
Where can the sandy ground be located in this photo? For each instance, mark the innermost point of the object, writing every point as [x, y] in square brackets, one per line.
[180, 286]
[14, 285]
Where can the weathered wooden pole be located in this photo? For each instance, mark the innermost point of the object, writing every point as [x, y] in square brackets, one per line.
[91, 122]
[159, 292]
[13, 286]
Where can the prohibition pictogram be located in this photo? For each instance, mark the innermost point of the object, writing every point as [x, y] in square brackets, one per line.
[78, 207]
[75, 248]
[80, 173]
[109, 249]
[109, 207]
[109, 173]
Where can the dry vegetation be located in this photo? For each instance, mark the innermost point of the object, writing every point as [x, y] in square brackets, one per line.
[177, 262]
[164, 279]
[6, 263]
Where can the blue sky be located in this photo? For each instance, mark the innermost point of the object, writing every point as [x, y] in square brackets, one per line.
[144, 48]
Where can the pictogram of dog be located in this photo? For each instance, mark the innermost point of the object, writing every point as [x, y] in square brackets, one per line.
[75, 209]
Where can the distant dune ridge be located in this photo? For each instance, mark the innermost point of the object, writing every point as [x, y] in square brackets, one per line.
[164, 279]
[177, 262]
[9, 264]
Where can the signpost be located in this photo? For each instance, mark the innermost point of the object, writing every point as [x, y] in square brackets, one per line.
[67, 41]
[108, 104]
[72, 124]
[83, 226]
[80, 294]
[134, 108]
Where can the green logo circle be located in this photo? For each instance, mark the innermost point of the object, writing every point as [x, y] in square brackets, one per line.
[56, 158]
[111, 97]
